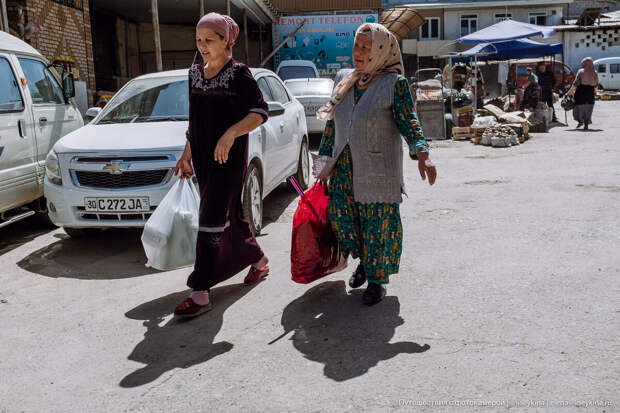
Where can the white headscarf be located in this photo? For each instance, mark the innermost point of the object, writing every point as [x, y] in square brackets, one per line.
[385, 57]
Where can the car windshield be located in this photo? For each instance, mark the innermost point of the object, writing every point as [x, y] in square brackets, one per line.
[296, 72]
[311, 87]
[149, 100]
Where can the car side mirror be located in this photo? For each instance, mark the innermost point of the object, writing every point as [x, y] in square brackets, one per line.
[91, 114]
[68, 85]
[275, 109]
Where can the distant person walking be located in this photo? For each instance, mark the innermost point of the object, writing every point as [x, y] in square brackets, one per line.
[583, 91]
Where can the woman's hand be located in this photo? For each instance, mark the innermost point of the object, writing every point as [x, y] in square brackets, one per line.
[185, 166]
[426, 167]
[325, 175]
[223, 147]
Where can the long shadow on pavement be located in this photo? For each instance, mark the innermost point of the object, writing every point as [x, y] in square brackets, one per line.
[106, 255]
[180, 343]
[22, 232]
[584, 130]
[334, 328]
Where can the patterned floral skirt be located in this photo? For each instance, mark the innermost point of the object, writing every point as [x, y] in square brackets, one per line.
[372, 232]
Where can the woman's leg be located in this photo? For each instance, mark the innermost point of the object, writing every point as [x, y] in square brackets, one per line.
[341, 208]
[382, 234]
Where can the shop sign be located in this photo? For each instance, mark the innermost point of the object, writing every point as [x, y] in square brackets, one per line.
[326, 40]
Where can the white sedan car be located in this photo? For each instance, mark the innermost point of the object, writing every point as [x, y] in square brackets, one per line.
[114, 171]
[312, 93]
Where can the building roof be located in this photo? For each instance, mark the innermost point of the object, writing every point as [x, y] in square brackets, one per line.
[462, 4]
[12, 43]
[610, 20]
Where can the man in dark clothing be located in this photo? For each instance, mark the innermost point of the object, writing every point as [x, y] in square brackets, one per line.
[546, 80]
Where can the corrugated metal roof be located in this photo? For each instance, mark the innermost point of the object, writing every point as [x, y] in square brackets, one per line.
[483, 3]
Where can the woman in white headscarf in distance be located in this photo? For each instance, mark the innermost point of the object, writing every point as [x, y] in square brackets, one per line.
[583, 90]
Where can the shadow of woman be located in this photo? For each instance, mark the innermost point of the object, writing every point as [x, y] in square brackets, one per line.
[180, 343]
[23, 232]
[106, 255]
[334, 328]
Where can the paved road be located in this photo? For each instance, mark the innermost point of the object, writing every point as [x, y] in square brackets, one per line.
[508, 294]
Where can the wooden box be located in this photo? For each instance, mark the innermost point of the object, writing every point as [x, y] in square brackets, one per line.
[459, 134]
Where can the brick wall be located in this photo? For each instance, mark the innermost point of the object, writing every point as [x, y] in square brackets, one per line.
[66, 32]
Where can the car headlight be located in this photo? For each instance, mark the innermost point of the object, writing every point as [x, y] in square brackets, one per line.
[52, 168]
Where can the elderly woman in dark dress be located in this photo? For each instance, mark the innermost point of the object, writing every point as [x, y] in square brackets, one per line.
[583, 90]
[225, 105]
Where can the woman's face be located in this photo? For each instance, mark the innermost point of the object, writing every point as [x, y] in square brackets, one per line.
[361, 51]
[210, 44]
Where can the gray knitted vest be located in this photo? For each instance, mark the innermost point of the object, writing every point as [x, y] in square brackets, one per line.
[376, 147]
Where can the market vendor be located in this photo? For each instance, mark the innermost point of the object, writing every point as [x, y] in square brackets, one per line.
[531, 94]
[461, 73]
[479, 93]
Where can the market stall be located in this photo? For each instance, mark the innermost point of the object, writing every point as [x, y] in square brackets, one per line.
[499, 122]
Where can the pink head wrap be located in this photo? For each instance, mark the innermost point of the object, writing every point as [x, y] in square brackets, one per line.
[222, 25]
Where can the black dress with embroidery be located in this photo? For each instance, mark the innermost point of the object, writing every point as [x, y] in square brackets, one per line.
[225, 244]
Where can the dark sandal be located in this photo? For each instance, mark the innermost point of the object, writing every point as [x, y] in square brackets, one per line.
[358, 278]
[374, 293]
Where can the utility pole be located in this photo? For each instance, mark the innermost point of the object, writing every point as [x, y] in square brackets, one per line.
[260, 42]
[4, 16]
[156, 38]
[202, 7]
[245, 35]
[228, 7]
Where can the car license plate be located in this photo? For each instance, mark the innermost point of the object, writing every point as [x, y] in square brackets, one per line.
[141, 204]
[311, 110]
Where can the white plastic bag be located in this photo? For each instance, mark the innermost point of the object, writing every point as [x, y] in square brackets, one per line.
[484, 122]
[169, 237]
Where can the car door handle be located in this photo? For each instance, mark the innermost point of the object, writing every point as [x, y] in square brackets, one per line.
[21, 126]
[282, 126]
[42, 120]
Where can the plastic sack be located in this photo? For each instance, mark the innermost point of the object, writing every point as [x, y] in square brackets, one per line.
[169, 236]
[314, 247]
[484, 122]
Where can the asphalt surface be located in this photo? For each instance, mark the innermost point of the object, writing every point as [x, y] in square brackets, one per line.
[507, 299]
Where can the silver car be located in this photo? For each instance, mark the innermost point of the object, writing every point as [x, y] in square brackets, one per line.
[312, 93]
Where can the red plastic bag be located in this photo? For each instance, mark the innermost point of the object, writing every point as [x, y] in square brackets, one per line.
[314, 249]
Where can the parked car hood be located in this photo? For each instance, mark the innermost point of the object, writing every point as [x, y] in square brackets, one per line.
[152, 136]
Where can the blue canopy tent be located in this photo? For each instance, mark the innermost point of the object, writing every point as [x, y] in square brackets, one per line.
[505, 40]
[506, 30]
[511, 49]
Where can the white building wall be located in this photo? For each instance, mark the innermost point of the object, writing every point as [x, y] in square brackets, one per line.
[573, 55]
[486, 17]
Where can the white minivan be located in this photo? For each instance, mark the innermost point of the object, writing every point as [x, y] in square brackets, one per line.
[608, 70]
[36, 110]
